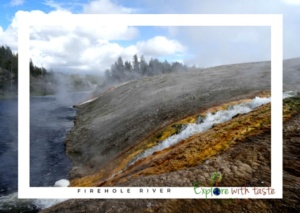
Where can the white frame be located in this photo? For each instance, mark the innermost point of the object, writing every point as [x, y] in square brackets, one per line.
[274, 21]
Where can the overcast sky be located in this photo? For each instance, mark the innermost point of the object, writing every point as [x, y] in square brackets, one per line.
[94, 49]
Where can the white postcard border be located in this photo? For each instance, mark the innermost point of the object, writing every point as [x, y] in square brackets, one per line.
[270, 20]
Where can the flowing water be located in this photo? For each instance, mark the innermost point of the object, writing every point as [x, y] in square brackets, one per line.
[51, 117]
[207, 123]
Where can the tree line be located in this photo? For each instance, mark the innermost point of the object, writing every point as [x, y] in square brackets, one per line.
[42, 81]
[122, 71]
[9, 62]
[9, 72]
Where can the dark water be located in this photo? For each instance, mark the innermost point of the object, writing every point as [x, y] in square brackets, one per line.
[51, 118]
[8, 146]
[49, 123]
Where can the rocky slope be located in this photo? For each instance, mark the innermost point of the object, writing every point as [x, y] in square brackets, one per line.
[124, 116]
[239, 159]
[132, 117]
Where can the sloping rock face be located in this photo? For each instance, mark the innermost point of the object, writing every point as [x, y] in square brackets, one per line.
[246, 163]
[122, 117]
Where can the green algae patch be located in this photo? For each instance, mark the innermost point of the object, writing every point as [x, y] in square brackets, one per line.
[290, 107]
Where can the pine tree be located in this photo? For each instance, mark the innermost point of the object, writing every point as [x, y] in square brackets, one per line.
[128, 70]
[143, 66]
[136, 68]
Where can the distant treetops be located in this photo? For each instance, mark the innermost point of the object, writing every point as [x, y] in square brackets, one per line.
[123, 71]
[9, 61]
[120, 71]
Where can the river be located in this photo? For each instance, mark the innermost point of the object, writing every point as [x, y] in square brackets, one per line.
[51, 117]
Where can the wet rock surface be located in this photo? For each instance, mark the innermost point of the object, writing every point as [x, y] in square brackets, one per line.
[246, 163]
[123, 117]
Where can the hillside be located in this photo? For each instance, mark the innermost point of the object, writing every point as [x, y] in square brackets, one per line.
[238, 158]
[122, 117]
[125, 120]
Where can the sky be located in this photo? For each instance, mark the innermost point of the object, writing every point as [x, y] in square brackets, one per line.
[93, 49]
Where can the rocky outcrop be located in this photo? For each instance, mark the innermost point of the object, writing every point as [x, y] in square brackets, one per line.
[127, 119]
[122, 117]
[245, 163]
